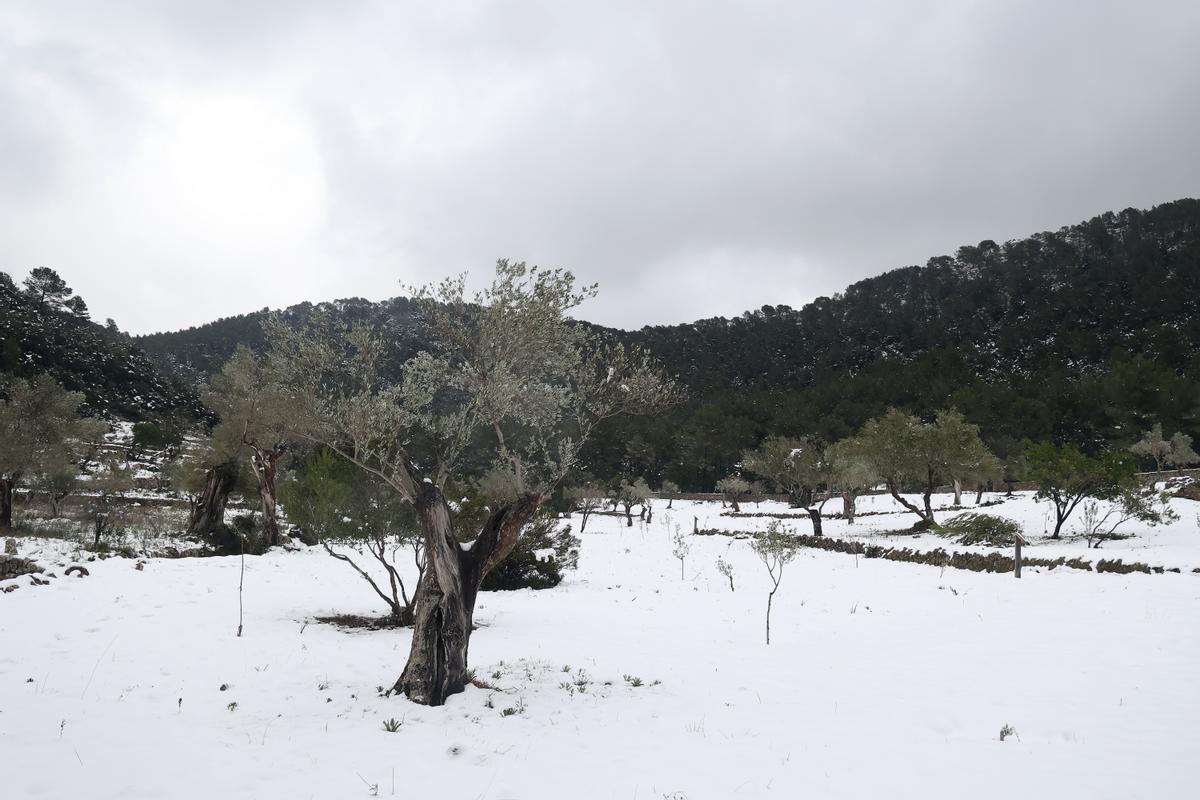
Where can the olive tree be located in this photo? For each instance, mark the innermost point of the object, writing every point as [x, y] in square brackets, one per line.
[509, 382]
[906, 452]
[354, 515]
[668, 489]
[775, 548]
[208, 473]
[850, 472]
[1174, 452]
[797, 467]
[41, 430]
[734, 490]
[632, 493]
[1066, 477]
[255, 418]
[585, 499]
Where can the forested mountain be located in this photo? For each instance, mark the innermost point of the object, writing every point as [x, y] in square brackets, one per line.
[1071, 297]
[201, 351]
[1089, 334]
[44, 328]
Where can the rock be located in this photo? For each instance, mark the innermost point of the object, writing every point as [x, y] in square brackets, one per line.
[10, 547]
[77, 568]
[11, 567]
[1190, 491]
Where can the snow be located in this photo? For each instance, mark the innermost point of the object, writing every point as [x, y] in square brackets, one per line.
[882, 678]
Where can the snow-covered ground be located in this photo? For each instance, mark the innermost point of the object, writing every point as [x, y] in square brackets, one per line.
[1175, 544]
[881, 679]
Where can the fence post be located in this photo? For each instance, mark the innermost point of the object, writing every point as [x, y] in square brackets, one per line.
[1017, 556]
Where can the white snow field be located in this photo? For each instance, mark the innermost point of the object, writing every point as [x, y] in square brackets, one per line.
[882, 679]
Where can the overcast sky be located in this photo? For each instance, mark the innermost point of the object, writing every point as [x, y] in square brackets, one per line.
[181, 161]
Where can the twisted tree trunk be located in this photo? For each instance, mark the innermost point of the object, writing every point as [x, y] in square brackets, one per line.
[848, 505]
[815, 515]
[445, 599]
[265, 464]
[208, 512]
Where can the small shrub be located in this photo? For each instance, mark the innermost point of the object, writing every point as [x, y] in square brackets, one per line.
[633, 680]
[529, 566]
[1007, 731]
[726, 569]
[981, 529]
[391, 725]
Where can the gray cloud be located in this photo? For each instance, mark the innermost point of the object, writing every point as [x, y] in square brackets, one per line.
[694, 158]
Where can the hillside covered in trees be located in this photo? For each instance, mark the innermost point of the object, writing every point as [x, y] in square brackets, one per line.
[45, 328]
[1086, 335]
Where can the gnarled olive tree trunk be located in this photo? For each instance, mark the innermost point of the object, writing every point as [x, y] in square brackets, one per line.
[445, 599]
[266, 464]
[848, 505]
[208, 511]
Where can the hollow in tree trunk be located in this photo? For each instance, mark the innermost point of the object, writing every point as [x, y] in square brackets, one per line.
[445, 599]
[208, 512]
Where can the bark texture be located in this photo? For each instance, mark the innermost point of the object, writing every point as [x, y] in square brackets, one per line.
[208, 512]
[265, 464]
[445, 600]
[815, 515]
[848, 505]
[6, 496]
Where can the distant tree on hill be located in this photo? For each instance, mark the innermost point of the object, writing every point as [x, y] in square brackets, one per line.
[45, 286]
[76, 306]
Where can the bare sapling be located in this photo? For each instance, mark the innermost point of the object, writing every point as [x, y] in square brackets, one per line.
[680, 547]
[726, 569]
[775, 548]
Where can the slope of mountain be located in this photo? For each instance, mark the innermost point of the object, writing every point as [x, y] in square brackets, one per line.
[115, 375]
[1128, 280]
[1087, 334]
